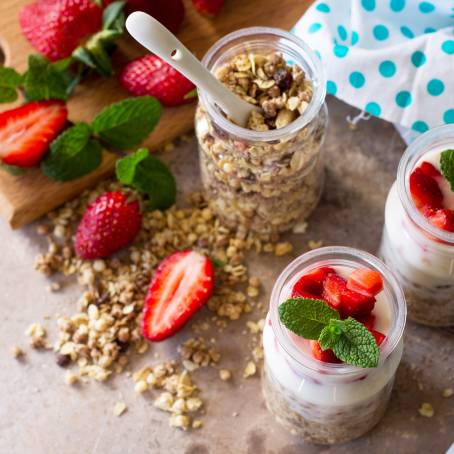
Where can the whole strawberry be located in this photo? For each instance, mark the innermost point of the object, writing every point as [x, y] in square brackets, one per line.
[150, 75]
[56, 27]
[108, 224]
[209, 7]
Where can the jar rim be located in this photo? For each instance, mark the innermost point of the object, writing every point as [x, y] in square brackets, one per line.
[420, 146]
[325, 257]
[305, 53]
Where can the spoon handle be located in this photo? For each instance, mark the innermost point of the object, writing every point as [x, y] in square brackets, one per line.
[152, 35]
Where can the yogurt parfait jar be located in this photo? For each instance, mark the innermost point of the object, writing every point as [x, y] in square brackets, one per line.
[330, 402]
[268, 176]
[420, 253]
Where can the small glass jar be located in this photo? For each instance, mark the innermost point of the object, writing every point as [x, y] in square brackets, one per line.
[421, 254]
[264, 181]
[328, 403]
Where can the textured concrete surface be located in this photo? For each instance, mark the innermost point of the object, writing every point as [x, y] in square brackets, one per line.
[40, 414]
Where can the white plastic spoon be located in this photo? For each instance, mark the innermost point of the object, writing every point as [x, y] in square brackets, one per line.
[157, 39]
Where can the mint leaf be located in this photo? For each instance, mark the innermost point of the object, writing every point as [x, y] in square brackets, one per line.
[306, 317]
[447, 166]
[355, 344]
[10, 79]
[127, 123]
[72, 154]
[330, 334]
[44, 81]
[149, 175]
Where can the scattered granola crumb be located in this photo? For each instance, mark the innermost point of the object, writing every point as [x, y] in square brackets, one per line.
[17, 352]
[54, 287]
[448, 392]
[141, 386]
[300, 228]
[37, 336]
[119, 408]
[179, 421]
[225, 374]
[197, 424]
[195, 353]
[426, 410]
[235, 414]
[283, 249]
[315, 244]
[71, 379]
[250, 370]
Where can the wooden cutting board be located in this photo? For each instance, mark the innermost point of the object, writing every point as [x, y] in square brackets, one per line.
[25, 198]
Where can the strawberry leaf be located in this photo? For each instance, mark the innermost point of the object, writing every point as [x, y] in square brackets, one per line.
[113, 16]
[149, 175]
[127, 123]
[73, 154]
[447, 166]
[10, 79]
[13, 170]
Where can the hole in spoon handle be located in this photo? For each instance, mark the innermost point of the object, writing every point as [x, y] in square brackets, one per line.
[176, 54]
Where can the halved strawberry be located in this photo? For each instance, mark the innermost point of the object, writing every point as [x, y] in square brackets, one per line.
[334, 287]
[429, 169]
[27, 131]
[365, 281]
[425, 190]
[443, 219]
[182, 284]
[311, 283]
[356, 304]
[368, 321]
[327, 356]
[379, 337]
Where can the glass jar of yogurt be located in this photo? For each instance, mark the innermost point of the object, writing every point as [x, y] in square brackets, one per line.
[420, 253]
[327, 402]
[269, 176]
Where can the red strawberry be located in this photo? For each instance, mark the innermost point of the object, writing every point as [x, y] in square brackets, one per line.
[169, 12]
[443, 219]
[150, 75]
[356, 304]
[27, 131]
[333, 289]
[368, 321]
[56, 27]
[365, 281]
[108, 224]
[429, 169]
[424, 190]
[327, 356]
[311, 283]
[379, 337]
[209, 7]
[182, 284]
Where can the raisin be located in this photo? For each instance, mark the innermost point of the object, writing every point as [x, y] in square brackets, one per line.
[283, 79]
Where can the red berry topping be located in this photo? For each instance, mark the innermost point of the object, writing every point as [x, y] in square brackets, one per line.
[424, 190]
[443, 219]
[108, 224]
[56, 27]
[327, 356]
[365, 281]
[181, 285]
[27, 131]
[333, 288]
[368, 321]
[150, 75]
[356, 304]
[311, 283]
[379, 337]
[429, 169]
[209, 7]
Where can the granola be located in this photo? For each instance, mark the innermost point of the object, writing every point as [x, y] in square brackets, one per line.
[267, 186]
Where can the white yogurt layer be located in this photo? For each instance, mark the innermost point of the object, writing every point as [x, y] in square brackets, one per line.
[331, 390]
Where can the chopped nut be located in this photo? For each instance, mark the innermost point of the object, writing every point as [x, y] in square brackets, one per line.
[180, 421]
[283, 249]
[71, 379]
[448, 392]
[426, 410]
[315, 244]
[250, 370]
[17, 352]
[164, 401]
[197, 424]
[141, 386]
[119, 408]
[54, 287]
[225, 374]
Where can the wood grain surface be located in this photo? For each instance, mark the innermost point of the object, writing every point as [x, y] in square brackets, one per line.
[25, 198]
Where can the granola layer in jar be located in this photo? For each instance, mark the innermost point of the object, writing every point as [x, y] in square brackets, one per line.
[420, 253]
[269, 176]
[323, 402]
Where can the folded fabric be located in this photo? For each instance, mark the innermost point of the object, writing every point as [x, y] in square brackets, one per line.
[391, 58]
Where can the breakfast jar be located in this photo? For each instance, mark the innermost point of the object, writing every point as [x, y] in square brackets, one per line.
[331, 402]
[266, 177]
[414, 243]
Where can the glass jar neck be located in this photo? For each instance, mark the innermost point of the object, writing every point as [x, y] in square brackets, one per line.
[266, 40]
[337, 256]
[440, 136]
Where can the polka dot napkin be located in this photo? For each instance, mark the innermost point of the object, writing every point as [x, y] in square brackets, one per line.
[391, 58]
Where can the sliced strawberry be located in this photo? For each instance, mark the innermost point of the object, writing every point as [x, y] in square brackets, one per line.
[379, 337]
[356, 304]
[443, 219]
[27, 131]
[429, 169]
[368, 321]
[333, 288]
[327, 356]
[365, 281]
[182, 284]
[425, 190]
[311, 283]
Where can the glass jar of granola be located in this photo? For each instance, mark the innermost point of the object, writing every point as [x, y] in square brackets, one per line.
[269, 176]
[323, 400]
[418, 241]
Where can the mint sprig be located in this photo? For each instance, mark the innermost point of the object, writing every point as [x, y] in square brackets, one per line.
[149, 175]
[447, 166]
[349, 339]
[10, 80]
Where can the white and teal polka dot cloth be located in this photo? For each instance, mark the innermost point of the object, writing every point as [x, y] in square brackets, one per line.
[391, 58]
